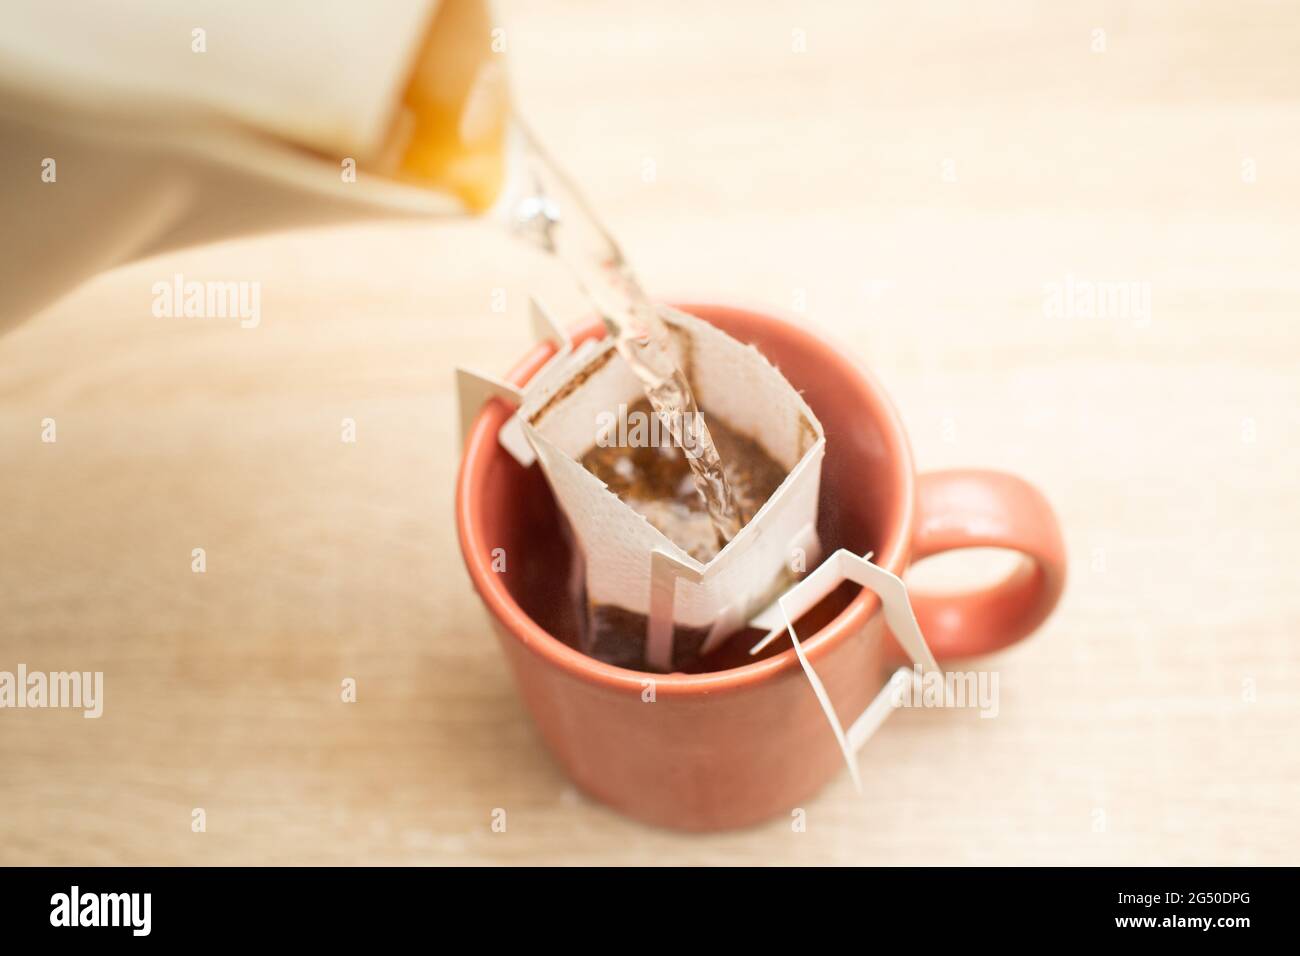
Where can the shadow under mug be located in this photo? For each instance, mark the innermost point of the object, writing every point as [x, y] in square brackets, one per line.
[745, 739]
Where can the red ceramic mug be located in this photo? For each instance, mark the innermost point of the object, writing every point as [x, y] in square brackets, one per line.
[746, 739]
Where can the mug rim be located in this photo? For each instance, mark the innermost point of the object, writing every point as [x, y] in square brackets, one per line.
[481, 444]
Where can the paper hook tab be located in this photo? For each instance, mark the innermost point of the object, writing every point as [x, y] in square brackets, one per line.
[841, 566]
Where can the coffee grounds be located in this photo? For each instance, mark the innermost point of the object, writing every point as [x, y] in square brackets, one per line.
[656, 481]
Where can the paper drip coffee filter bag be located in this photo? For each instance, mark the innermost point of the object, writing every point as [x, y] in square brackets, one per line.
[630, 566]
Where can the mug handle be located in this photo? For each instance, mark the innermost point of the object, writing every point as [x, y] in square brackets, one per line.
[974, 508]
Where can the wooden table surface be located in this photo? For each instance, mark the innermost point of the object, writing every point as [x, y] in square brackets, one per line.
[916, 181]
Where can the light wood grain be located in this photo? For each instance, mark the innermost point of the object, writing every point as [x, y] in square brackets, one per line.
[1153, 720]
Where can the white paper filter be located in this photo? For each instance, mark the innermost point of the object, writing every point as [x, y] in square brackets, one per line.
[629, 563]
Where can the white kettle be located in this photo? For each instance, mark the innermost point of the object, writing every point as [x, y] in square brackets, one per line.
[130, 128]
